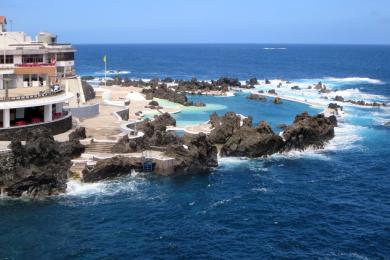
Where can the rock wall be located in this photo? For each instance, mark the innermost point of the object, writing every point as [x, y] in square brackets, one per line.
[40, 167]
[155, 134]
[247, 141]
[54, 128]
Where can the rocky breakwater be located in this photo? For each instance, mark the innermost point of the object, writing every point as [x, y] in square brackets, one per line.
[309, 131]
[197, 87]
[40, 167]
[277, 101]
[257, 97]
[321, 88]
[360, 102]
[238, 137]
[164, 92]
[193, 154]
[193, 85]
[190, 153]
[155, 134]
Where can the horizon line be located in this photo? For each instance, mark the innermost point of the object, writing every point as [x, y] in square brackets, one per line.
[224, 43]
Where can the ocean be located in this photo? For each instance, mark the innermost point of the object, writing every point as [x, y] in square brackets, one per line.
[329, 204]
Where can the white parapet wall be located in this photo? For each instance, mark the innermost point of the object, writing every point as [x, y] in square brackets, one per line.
[73, 85]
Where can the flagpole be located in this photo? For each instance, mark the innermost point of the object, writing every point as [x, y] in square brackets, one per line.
[105, 71]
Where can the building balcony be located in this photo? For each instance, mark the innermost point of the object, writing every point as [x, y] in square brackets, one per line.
[35, 64]
[19, 94]
[6, 70]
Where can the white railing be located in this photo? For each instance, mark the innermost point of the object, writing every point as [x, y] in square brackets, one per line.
[40, 94]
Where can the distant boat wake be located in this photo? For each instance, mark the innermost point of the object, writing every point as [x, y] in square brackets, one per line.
[271, 48]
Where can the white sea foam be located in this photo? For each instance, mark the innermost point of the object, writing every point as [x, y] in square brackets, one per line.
[231, 162]
[346, 136]
[356, 94]
[81, 189]
[309, 153]
[77, 188]
[335, 81]
[382, 117]
[114, 72]
[313, 97]
[220, 203]
[353, 80]
[263, 190]
[258, 166]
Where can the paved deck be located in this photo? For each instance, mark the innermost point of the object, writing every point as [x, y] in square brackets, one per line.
[136, 104]
[104, 126]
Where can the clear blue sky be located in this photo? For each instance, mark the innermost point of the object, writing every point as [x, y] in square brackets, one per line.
[204, 21]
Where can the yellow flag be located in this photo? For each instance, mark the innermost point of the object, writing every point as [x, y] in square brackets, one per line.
[105, 59]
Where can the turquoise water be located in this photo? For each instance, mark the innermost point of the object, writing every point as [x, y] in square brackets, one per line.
[193, 115]
[328, 204]
[268, 111]
[274, 114]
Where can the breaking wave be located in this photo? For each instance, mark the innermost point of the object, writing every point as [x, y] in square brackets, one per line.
[113, 72]
[346, 137]
[356, 94]
[81, 189]
[352, 80]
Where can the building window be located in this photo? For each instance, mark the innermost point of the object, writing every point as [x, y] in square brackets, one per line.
[34, 80]
[35, 58]
[9, 59]
[26, 81]
[65, 56]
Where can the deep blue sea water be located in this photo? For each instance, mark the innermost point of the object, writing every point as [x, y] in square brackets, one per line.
[330, 204]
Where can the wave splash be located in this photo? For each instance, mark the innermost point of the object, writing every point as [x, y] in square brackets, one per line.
[340, 81]
[80, 189]
[308, 93]
[113, 72]
[353, 80]
[346, 137]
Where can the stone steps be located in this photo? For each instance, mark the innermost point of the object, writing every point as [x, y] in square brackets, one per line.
[99, 147]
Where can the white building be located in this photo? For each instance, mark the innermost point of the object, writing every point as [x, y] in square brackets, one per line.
[37, 77]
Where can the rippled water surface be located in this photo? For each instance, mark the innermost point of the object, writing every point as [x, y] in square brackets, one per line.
[327, 204]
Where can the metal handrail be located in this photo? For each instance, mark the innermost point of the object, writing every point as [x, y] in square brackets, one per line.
[35, 96]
